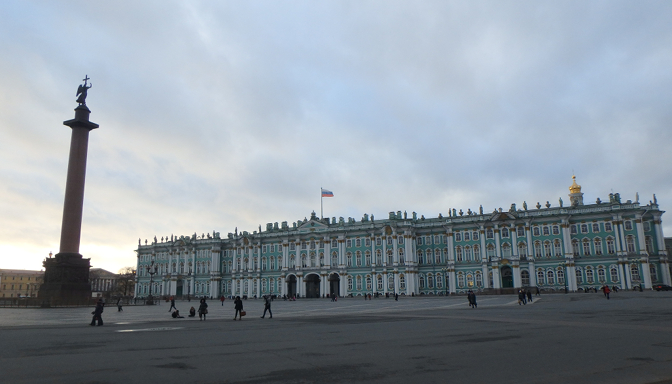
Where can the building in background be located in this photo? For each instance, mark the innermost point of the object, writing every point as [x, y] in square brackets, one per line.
[103, 282]
[563, 247]
[20, 283]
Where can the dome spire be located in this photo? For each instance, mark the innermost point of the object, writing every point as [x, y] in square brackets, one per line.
[574, 188]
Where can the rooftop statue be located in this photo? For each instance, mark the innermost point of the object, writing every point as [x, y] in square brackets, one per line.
[82, 91]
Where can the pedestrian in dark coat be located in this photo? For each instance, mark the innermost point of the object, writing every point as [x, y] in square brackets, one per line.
[471, 296]
[267, 307]
[238, 305]
[172, 304]
[202, 309]
[529, 295]
[98, 313]
[606, 291]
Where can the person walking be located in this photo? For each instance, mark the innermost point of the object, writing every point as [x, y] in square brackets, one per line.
[267, 307]
[521, 297]
[119, 304]
[238, 305]
[172, 304]
[396, 296]
[222, 300]
[471, 296]
[98, 313]
[202, 309]
[606, 291]
[529, 295]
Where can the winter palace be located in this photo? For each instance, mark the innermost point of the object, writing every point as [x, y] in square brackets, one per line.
[571, 247]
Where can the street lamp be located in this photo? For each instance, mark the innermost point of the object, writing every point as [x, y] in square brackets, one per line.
[445, 279]
[151, 269]
[189, 283]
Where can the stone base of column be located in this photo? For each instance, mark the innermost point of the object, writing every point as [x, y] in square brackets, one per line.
[66, 280]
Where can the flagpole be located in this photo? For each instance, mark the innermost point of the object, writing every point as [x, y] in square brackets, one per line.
[321, 207]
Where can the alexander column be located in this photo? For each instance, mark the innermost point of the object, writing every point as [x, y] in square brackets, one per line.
[66, 276]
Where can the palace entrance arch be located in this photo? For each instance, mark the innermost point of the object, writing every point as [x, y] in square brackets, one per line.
[291, 286]
[507, 277]
[312, 286]
[334, 284]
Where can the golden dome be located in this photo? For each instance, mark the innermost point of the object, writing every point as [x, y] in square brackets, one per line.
[574, 188]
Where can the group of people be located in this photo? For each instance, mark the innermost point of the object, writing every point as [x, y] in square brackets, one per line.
[524, 296]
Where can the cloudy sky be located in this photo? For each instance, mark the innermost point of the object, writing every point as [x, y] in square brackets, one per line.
[222, 114]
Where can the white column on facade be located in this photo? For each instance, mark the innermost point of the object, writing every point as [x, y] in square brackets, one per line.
[530, 245]
[517, 279]
[646, 273]
[344, 285]
[452, 276]
[620, 244]
[533, 273]
[496, 280]
[660, 240]
[385, 282]
[570, 277]
[396, 282]
[640, 235]
[384, 242]
[395, 252]
[498, 243]
[514, 242]
[628, 280]
[327, 253]
[341, 253]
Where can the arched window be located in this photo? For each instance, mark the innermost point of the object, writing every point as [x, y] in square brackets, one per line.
[601, 274]
[348, 258]
[460, 280]
[477, 253]
[379, 257]
[579, 275]
[458, 253]
[390, 282]
[359, 283]
[613, 273]
[561, 276]
[575, 247]
[470, 280]
[522, 248]
[540, 276]
[367, 257]
[334, 258]
[402, 258]
[439, 281]
[610, 246]
[537, 249]
[369, 286]
[349, 283]
[479, 279]
[358, 256]
[437, 256]
[379, 282]
[590, 278]
[525, 277]
[421, 259]
[630, 242]
[430, 280]
[550, 277]
[506, 250]
[649, 244]
[467, 253]
[547, 249]
[313, 262]
[402, 282]
[505, 232]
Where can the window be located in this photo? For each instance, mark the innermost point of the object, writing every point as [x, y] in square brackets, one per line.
[540, 277]
[547, 249]
[479, 279]
[390, 282]
[418, 240]
[590, 278]
[572, 229]
[525, 277]
[358, 242]
[349, 259]
[402, 282]
[437, 256]
[506, 250]
[421, 258]
[359, 283]
[358, 256]
[601, 275]
[379, 241]
[390, 257]
[575, 247]
[607, 227]
[584, 228]
[334, 243]
[379, 283]
[535, 231]
[596, 228]
[466, 235]
[558, 248]
[537, 249]
[653, 272]
[334, 258]
[610, 246]
[477, 253]
[628, 225]
[550, 277]
[460, 280]
[467, 253]
[439, 281]
[458, 253]
[647, 226]
[630, 241]
[349, 283]
[521, 231]
[379, 257]
[561, 276]
[586, 247]
[546, 231]
[613, 273]
[556, 230]
[489, 234]
[368, 242]
[400, 240]
[458, 236]
[367, 257]
[634, 272]
[505, 232]
[649, 244]
[579, 276]
[474, 235]
[402, 259]
[348, 243]
[522, 249]
[422, 282]
[470, 280]
[437, 239]
[597, 242]
[430, 281]
[491, 251]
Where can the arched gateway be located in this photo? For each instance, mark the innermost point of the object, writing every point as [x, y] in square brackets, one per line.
[312, 286]
[334, 284]
[291, 286]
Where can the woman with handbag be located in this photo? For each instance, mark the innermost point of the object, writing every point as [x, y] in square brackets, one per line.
[239, 308]
[202, 309]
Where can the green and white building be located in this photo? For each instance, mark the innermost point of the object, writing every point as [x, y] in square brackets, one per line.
[574, 247]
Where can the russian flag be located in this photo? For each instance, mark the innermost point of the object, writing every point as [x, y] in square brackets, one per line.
[326, 193]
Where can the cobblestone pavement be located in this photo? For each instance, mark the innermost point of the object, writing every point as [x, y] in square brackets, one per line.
[558, 338]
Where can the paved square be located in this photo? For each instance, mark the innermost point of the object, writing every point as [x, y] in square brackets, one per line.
[578, 338]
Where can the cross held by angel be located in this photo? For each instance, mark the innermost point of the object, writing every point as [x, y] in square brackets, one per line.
[82, 91]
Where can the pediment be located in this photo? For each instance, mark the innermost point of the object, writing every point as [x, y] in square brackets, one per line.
[313, 226]
[502, 216]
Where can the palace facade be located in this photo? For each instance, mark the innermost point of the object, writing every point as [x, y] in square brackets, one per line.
[557, 248]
